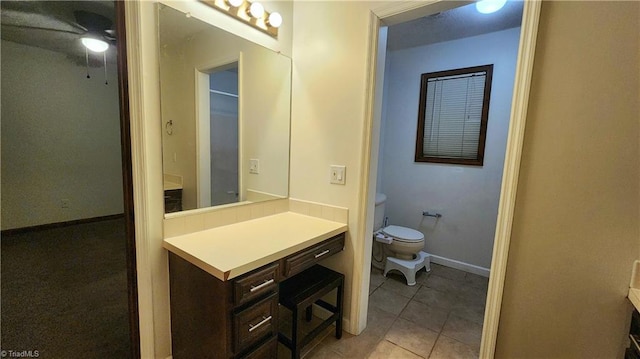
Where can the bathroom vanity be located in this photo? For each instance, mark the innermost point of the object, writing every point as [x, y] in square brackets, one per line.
[172, 193]
[224, 282]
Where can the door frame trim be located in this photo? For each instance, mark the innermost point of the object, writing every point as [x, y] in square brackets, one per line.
[146, 174]
[127, 180]
[401, 11]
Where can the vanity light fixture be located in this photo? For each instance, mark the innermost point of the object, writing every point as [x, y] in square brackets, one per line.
[251, 13]
[256, 10]
[275, 19]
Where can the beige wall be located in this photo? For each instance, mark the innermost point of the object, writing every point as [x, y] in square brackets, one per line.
[575, 231]
[328, 119]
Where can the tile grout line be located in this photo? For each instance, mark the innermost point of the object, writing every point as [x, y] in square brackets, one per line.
[421, 284]
[439, 334]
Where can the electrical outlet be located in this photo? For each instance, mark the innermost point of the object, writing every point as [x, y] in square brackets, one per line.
[64, 203]
[337, 174]
[254, 166]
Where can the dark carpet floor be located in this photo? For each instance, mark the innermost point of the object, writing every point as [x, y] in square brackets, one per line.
[64, 291]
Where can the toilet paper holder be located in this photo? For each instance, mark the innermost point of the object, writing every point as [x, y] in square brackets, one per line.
[434, 215]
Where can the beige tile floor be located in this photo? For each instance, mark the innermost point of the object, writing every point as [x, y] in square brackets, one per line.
[440, 317]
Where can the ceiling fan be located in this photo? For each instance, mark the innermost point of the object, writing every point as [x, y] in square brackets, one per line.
[57, 21]
[61, 26]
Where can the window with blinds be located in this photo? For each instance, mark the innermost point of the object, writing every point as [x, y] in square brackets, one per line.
[453, 115]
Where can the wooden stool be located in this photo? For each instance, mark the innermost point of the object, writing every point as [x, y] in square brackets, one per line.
[299, 292]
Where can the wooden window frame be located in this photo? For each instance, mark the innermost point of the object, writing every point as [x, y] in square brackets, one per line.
[424, 78]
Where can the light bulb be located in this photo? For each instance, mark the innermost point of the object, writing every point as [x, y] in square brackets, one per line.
[235, 3]
[275, 19]
[489, 6]
[95, 45]
[256, 10]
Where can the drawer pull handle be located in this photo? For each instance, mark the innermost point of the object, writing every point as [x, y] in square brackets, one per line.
[322, 253]
[253, 327]
[257, 287]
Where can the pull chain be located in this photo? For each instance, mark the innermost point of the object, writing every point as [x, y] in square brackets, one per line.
[86, 54]
[104, 56]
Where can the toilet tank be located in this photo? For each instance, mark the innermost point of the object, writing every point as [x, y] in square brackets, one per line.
[378, 213]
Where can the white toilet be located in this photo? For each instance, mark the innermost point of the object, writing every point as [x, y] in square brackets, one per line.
[400, 248]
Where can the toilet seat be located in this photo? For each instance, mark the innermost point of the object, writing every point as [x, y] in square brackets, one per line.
[403, 234]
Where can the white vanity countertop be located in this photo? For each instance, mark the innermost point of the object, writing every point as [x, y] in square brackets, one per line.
[171, 185]
[634, 297]
[171, 182]
[229, 251]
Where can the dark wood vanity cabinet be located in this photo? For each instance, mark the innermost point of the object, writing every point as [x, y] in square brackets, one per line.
[633, 351]
[172, 200]
[238, 318]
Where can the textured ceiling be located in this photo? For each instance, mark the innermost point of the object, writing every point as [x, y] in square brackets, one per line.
[51, 25]
[453, 24]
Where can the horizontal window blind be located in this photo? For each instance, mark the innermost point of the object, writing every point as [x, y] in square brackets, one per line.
[453, 115]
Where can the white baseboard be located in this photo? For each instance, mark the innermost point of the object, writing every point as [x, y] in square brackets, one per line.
[452, 263]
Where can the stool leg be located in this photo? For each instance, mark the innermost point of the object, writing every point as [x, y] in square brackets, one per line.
[309, 313]
[296, 334]
[339, 306]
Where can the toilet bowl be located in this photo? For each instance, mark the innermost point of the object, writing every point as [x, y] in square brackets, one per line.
[400, 248]
[405, 242]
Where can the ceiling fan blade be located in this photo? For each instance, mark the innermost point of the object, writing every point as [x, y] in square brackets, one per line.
[20, 18]
[110, 35]
[58, 41]
[91, 21]
[26, 28]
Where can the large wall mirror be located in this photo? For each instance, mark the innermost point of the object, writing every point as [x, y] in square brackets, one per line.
[225, 105]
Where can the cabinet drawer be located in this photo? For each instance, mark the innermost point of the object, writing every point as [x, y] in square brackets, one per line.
[255, 284]
[307, 258]
[268, 350]
[255, 323]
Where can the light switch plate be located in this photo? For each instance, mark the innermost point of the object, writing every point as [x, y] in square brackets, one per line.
[337, 174]
[254, 166]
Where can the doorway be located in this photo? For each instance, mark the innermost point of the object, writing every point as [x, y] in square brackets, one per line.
[451, 200]
[218, 135]
[407, 11]
[75, 289]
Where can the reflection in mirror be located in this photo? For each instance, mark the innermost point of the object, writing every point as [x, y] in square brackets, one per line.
[223, 156]
[225, 106]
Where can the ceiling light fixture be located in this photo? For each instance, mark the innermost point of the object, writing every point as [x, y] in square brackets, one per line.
[489, 6]
[98, 46]
[95, 45]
